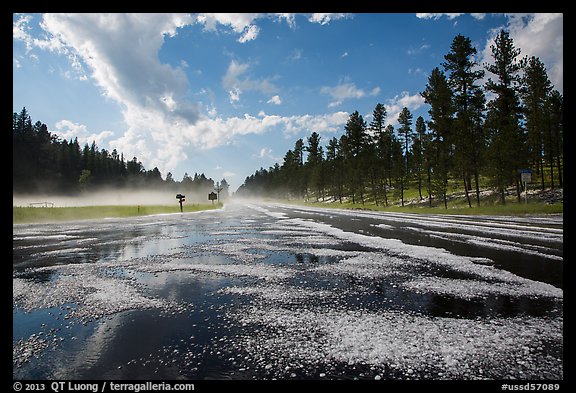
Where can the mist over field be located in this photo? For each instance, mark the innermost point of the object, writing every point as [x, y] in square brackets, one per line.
[109, 197]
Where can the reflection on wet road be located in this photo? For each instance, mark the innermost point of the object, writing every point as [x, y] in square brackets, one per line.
[273, 291]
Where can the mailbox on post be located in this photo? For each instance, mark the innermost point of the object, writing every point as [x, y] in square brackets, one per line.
[181, 199]
[212, 197]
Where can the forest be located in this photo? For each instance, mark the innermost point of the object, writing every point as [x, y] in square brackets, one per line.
[478, 135]
[44, 163]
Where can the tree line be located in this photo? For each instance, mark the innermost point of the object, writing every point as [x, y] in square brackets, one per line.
[475, 134]
[43, 162]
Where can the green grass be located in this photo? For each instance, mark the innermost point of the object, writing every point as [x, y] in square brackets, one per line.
[510, 209]
[489, 205]
[53, 214]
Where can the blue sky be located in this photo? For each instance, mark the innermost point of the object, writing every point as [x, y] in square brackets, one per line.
[227, 94]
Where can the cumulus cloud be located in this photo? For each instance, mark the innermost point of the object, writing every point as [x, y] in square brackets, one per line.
[432, 15]
[325, 18]
[264, 152]
[236, 83]
[250, 34]
[244, 24]
[239, 23]
[539, 35]
[396, 104]
[276, 100]
[346, 91]
[67, 130]
[120, 54]
[450, 16]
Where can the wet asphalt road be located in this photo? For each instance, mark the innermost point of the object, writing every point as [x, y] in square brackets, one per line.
[271, 291]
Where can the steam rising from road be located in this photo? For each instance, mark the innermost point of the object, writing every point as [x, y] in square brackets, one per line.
[110, 197]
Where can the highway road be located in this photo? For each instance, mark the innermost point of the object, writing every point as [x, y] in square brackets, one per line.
[271, 291]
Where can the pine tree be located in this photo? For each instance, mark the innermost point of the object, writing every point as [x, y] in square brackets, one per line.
[439, 96]
[380, 153]
[506, 150]
[555, 153]
[469, 104]
[335, 168]
[357, 140]
[418, 151]
[535, 92]
[405, 133]
[314, 165]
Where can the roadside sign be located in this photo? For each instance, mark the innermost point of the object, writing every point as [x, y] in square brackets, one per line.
[181, 198]
[526, 175]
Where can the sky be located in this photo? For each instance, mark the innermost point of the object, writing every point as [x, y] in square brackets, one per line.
[228, 94]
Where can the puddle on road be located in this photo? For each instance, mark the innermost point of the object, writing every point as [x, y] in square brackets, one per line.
[238, 303]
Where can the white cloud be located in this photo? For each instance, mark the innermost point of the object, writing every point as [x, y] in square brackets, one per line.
[236, 83]
[265, 153]
[295, 55]
[113, 46]
[325, 18]
[250, 33]
[245, 25]
[239, 23]
[346, 91]
[416, 71]
[276, 100]
[120, 54]
[332, 122]
[418, 50]
[396, 104]
[437, 15]
[67, 130]
[539, 35]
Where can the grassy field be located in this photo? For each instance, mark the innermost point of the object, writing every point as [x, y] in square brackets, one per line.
[457, 204]
[54, 214]
[510, 209]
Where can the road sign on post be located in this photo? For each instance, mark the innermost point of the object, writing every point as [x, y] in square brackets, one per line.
[526, 177]
[181, 199]
[212, 197]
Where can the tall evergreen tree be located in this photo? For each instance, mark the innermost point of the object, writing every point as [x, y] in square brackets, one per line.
[469, 105]
[356, 133]
[418, 151]
[405, 133]
[535, 93]
[555, 152]
[439, 96]
[380, 153]
[507, 150]
[357, 140]
[335, 171]
[315, 165]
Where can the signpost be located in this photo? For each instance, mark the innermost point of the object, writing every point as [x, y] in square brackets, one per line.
[526, 177]
[181, 199]
[212, 197]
